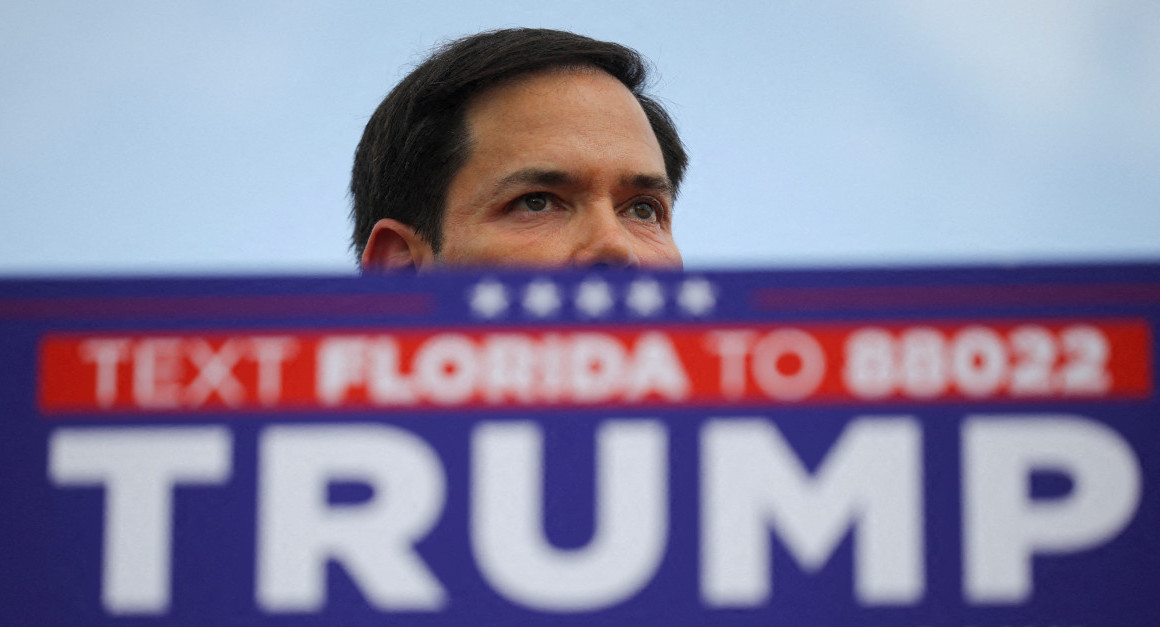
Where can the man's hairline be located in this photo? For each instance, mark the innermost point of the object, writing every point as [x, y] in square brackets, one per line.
[468, 142]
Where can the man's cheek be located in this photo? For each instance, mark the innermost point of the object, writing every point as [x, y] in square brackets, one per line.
[660, 252]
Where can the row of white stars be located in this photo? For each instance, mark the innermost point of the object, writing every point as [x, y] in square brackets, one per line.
[594, 298]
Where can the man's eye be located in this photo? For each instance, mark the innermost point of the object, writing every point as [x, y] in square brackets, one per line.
[643, 211]
[535, 202]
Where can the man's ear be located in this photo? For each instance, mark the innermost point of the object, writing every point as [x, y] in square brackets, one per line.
[394, 246]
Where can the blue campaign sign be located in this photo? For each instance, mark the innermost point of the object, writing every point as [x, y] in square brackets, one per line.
[890, 447]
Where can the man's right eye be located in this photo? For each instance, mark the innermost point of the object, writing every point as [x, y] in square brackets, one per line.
[534, 202]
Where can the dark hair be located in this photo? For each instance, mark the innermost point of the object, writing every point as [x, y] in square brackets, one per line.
[417, 139]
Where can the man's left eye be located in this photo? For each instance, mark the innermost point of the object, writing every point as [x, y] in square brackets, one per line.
[536, 202]
[643, 211]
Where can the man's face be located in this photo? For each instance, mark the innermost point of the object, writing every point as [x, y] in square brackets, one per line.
[563, 170]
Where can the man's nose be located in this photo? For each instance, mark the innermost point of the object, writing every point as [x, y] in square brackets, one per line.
[603, 240]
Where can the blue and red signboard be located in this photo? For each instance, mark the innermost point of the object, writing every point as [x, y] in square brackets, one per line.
[890, 447]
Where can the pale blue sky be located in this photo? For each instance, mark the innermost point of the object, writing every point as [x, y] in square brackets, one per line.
[207, 137]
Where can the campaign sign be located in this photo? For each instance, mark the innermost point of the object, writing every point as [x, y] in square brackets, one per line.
[893, 447]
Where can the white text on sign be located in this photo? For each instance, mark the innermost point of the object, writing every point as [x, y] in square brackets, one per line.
[753, 485]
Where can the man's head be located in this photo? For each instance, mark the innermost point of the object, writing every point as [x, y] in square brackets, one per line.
[519, 147]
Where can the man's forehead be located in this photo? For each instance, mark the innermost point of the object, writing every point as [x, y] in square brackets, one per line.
[579, 128]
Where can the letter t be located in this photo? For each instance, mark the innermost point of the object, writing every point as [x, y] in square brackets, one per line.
[138, 467]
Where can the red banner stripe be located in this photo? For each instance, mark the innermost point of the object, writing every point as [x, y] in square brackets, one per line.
[617, 365]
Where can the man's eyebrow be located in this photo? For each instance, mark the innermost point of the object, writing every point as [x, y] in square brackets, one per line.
[535, 176]
[655, 183]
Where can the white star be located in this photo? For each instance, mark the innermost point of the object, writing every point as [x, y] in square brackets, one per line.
[645, 297]
[594, 297]
[541, 298]
[697, 297]
[489, 298]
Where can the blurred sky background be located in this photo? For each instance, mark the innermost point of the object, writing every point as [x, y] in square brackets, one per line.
[216, 137]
